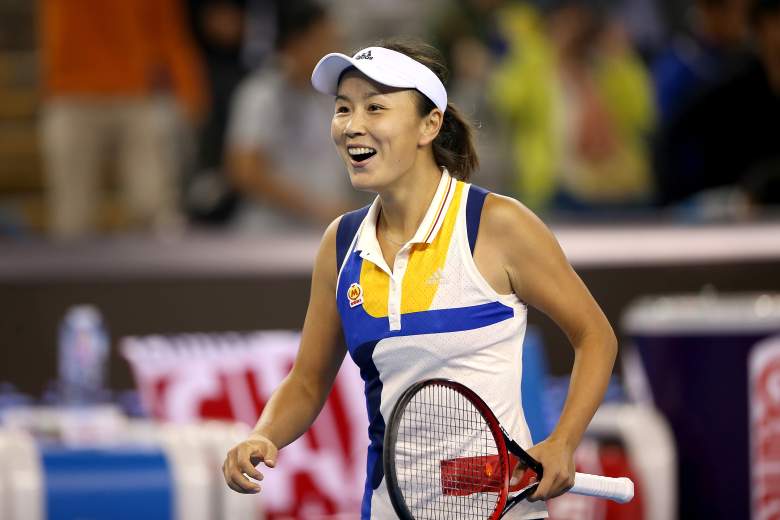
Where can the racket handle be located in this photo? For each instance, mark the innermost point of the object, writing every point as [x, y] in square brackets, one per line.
[620, 489]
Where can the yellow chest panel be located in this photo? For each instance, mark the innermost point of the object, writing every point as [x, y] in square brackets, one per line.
[423, 271]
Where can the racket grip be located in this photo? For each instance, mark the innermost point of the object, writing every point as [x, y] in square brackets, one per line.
[620, 489]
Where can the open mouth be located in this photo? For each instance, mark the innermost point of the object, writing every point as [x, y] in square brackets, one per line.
[360, 154]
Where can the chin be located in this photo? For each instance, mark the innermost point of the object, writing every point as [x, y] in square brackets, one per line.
[361, 185]
[365, 181]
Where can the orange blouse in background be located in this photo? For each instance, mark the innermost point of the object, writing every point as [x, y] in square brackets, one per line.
[119, 48]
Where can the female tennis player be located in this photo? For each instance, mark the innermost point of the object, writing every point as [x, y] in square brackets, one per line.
[431, 280]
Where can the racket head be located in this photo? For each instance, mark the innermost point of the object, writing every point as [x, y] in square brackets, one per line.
[452, 477]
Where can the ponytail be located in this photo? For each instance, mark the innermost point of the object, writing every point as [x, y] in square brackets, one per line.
[454, 147]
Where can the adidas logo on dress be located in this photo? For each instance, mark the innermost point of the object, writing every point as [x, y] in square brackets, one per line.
[437, 278]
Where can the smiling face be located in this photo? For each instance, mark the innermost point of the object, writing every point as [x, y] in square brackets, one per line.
[379, 133]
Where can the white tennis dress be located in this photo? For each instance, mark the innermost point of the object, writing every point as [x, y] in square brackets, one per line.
[431, 314]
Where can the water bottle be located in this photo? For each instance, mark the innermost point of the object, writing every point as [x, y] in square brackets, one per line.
[83, 356]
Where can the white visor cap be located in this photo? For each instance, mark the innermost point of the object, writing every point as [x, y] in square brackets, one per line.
[384, 66]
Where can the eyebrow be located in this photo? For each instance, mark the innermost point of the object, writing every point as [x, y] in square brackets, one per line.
[369, 94]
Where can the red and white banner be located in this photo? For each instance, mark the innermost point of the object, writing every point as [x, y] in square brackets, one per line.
[765, 430]
[231, 376]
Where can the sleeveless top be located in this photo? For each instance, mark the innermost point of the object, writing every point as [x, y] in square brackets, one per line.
[431, 314]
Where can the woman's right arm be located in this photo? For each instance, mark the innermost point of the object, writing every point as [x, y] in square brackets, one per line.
[296, 403]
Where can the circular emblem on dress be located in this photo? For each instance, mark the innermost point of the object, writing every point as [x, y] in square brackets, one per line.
[355, 294]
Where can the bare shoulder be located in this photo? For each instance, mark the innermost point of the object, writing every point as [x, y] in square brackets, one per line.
[328, 242]
[527, 251]
[325, 270]
[511, 227]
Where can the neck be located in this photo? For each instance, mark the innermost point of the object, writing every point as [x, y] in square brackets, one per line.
[404, 204]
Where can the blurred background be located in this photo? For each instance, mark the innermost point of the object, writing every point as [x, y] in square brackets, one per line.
[166, 172]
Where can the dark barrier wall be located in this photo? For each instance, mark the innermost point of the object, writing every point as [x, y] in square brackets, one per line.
[213, 285]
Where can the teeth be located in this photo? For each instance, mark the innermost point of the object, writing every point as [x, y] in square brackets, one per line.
[359, 151]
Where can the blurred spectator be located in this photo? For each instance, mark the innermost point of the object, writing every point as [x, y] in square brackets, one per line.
[280, 154]
[715, 47]
[219, 27]
[114, 74]
[468, 21]
[644, 22]
[371, 20]
[468, 34]
[259, 31]
[579, 104]
[731, 134]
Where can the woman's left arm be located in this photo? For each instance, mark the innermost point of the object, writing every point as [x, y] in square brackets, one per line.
[538, 272]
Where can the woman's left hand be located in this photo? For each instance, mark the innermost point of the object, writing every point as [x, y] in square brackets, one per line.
[557, 459]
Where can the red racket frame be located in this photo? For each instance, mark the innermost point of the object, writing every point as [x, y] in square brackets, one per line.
[504, 444]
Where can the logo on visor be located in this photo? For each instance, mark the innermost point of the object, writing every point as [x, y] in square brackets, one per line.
[364, 56]
[355, 295]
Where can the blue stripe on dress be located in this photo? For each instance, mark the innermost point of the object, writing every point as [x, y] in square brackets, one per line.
[474, 205]
[360, 327]
[364, 358]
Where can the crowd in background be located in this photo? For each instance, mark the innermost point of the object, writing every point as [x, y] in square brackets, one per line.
[203, 112]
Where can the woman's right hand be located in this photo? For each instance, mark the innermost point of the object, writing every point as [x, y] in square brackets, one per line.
[242, 459]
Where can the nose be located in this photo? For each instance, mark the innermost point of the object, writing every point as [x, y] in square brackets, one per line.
[355, 125]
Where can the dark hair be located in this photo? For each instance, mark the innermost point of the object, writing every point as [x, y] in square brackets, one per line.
[454, 147]
[295, 17]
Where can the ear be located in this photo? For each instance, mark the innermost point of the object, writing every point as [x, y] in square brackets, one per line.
[430, 126]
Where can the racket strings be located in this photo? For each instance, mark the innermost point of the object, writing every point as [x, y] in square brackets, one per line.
[446, 457]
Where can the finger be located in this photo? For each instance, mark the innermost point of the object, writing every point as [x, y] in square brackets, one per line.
[246, 485]
[234, 487]
[239, 489]
[522, 476]
[225, 471]
[245, 466]
[228, 465]
[564, 486]
[543, 489]
[269, 458]
[251, 454]
[552, 486]
[517, 476]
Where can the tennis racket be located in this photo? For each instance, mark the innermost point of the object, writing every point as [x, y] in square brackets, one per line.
[446, 456]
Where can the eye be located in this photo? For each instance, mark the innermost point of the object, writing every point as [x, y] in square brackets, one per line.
[342, 109]
[373, 107]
